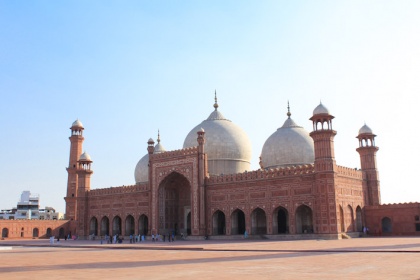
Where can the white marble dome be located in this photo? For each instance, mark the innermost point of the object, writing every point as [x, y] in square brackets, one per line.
[85, 157]
[289, 145]
[227, 146]
[321, 109]
[365, 130]
[141, 172]
[77, 123]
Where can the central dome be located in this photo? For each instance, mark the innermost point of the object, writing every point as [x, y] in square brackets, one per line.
[289, 145]
[227, 146]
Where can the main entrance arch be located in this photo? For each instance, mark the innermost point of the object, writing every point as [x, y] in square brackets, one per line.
[174, 205]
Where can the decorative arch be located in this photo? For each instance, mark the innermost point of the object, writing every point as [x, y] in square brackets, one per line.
[116, 225]
[280, 220]
[359, 222]
[104, 226]
[129, 225]
[61, 232]
[219, 223]
[237, 221]
[35, 232]
[143, 225]
[341, 218]
[258, 221]
[93, 226]
[49, 232]
[5, 233]
[349, 219]
[304, 219]
[386, 224]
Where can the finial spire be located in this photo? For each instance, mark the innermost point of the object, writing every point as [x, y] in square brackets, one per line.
[215, 101]
[158, 139]
[288, 109]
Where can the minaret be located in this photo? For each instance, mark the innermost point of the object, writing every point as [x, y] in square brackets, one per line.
[84, 172]
[202, 174]
[367, 151]
[76, 146]
[326, 220]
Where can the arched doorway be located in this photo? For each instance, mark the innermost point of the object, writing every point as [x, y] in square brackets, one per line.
[341, 219]
[129, 225]
[258, 222]
[104, 226]
[49, 232]
[143, 225]
[61, 233]
[93, 226]
[359, 222]
[237, 222]
[5, 232]
[304, 220]
[280, 221]
[219, 223]
[35, 232]
[116, 225]
[386, 225]
[174, 205]
[349, 219]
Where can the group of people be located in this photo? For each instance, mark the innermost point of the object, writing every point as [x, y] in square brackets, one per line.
[162, 237]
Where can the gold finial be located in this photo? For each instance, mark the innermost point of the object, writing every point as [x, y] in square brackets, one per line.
[158, 140]
[215, 101]
[288, 109]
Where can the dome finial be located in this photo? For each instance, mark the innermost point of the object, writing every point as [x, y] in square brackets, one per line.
[158, 139]
[215, 101]
[288, 109]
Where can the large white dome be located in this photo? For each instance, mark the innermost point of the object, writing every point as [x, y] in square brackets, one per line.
[141, 173]
[289, 145]
[227, 146]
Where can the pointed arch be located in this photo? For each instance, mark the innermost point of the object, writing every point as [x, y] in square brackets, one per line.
[304, 219]
[359, 222]
[258, 221]
[93, 226]
[219, 223]
[349, 220]
[129, 225]
[280, 220]
[104, 226]
[237, 221]
[143, 225]
[49, 232]
[35, 232]
[5, 233]
[341, 218]
[116, 225]
[386, 224]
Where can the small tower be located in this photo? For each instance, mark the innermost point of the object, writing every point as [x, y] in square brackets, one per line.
[76, 147]
[325, 171]
[202, 174]
[84, 173]
[367, 151]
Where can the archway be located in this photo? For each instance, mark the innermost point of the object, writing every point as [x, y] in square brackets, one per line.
[219, 223]
[386, 225]
[61, 233]
[341, 219]
[359, 222]
[304, 220]
[5, 232]
[116, 225]
[349, 219]
[189, 223]
[104, 226]
[35, 232]
[174, 204]
[237, 222]
[143, 225]
[93, 226]
[280, 221]
[258, 222]
[129, 225]
[49, 232]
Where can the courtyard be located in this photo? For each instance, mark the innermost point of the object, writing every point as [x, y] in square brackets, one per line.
[358, 258]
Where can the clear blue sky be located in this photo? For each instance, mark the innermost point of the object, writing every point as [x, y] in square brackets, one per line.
[129, 68]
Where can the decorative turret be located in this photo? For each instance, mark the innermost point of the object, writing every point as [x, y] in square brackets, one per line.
[151, 146]
[367, 150]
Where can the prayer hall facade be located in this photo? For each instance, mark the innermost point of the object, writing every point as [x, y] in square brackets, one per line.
[207, 188]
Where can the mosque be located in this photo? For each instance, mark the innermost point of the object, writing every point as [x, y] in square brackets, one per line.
[207, 188]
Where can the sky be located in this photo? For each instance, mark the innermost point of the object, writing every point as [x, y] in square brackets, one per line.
[128, 68]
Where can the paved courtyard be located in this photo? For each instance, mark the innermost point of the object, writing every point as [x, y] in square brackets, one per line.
[359, 258]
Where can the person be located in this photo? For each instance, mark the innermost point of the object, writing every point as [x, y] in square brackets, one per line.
[65, 237]
[153, 238]
[245, 234]
[131, 239]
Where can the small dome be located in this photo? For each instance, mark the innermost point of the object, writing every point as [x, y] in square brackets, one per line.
[365, 130]
[85, 157]
[227, 146]
[141, 172]
[321, 109]
[77, 123]
[289, 145]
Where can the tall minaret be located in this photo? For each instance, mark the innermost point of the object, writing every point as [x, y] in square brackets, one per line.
[325, 171]
[367, 151]
[202, 174]
[84, 172]
[76, 148]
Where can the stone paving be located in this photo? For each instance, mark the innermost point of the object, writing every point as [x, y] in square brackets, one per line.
[358, 258]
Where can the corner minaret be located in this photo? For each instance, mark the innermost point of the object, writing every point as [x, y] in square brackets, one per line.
[325, 172]
[367, 151]
[76, 147]
[202, 174]
[323, 136]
